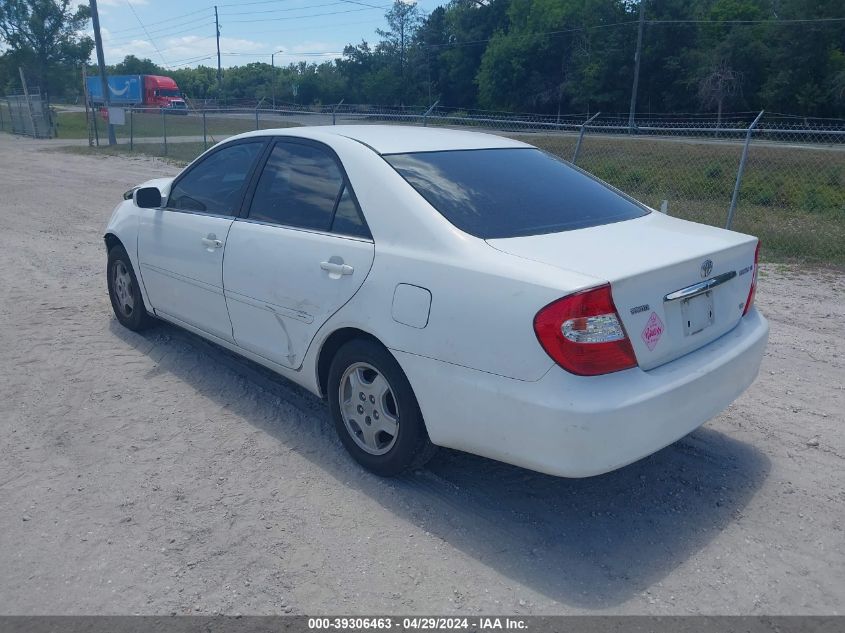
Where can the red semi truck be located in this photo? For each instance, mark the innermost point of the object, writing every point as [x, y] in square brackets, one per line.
[143, 91]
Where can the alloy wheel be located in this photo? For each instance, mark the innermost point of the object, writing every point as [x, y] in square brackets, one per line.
[122, 286]
[369, 408]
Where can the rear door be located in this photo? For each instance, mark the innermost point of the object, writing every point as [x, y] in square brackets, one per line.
[302, 251]
[180, 247]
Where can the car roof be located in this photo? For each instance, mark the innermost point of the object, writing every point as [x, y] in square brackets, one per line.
[400, 139]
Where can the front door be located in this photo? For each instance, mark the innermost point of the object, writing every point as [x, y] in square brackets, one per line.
[298, 256]
[181, 246]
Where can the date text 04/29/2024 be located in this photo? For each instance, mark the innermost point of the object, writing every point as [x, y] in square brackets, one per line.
[418, 623]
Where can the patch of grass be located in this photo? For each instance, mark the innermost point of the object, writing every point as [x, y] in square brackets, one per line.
[154, 125]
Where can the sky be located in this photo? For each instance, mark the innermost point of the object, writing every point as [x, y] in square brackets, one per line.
[180, 33]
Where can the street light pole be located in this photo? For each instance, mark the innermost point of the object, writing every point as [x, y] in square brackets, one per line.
[273, 80]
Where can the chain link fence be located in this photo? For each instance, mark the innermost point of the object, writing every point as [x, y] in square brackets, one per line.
[790, 190]
[28, 115]
[778, 177]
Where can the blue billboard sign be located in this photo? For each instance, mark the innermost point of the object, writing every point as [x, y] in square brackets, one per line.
[123, 89]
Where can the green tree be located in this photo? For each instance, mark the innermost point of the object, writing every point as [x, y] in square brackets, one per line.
[403, 21]
[198, 83]
[45, 37]
[804, 67]
[459, 44]
[557, 56]
[131, 65]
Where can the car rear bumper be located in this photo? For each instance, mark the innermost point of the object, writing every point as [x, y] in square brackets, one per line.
[574, 426]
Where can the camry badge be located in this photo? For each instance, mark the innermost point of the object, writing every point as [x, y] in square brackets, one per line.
[706, 268]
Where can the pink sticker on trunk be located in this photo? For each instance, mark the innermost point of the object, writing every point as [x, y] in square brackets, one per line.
[652, 332]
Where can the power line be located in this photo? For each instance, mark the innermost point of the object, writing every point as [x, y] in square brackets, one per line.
[365, 4]
[126, 40]
[170, 19]
[148, 35]
[300, 17]
[534, 34]
[313, 6]
[192, 23]
[162, 31]
[765, 21]
[191, 60]
[244, 4]
[166, 27]
[293, 54]
[191, 43]
[313, 28]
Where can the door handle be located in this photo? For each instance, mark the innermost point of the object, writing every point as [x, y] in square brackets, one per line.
[334, 268]
[212, 242]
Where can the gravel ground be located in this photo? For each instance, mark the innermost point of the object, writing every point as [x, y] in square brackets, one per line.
[159, 474]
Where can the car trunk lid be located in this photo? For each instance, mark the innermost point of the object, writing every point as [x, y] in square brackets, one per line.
[677, 285]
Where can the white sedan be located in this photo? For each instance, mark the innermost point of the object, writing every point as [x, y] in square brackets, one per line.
[447, 288]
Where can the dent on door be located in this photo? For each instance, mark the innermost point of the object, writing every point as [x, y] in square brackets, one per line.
[281, 285]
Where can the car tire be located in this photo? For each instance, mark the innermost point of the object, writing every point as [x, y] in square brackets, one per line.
[125, 293]
[375, 412]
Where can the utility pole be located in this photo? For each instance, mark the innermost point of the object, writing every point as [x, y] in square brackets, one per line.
[217, 30]
[101, 62]
[632, 113]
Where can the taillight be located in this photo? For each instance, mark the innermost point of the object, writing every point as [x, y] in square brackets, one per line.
[583, 333]
[753, 290]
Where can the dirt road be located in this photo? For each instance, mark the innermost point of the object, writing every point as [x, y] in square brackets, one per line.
[159, 474]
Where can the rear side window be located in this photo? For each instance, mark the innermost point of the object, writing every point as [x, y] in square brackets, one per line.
[299, 187]
[215, 184]
[347, 217]
[499, 193]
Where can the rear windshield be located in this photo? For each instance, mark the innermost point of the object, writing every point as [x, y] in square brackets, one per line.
[495, 193]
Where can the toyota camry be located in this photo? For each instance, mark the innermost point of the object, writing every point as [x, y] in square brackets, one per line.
[447, 288]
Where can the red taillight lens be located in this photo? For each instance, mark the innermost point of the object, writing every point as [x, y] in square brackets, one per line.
[584, 335]
[753, 290]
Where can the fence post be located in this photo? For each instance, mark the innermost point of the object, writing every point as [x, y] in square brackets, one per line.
[741, 170]
[2, 125]
[131, 128]
[334, 110]
[28, 102]
[94, 115]
[581, 137]
[204, 132]
[427, 112]
[256, 117]
[164, 129]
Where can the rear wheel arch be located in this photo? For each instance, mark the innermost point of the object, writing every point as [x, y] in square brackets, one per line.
[330, 347]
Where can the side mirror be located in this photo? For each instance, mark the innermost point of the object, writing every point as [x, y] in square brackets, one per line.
[148, 197]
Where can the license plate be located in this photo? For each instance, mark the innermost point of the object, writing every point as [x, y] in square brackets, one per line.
[697, 313]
